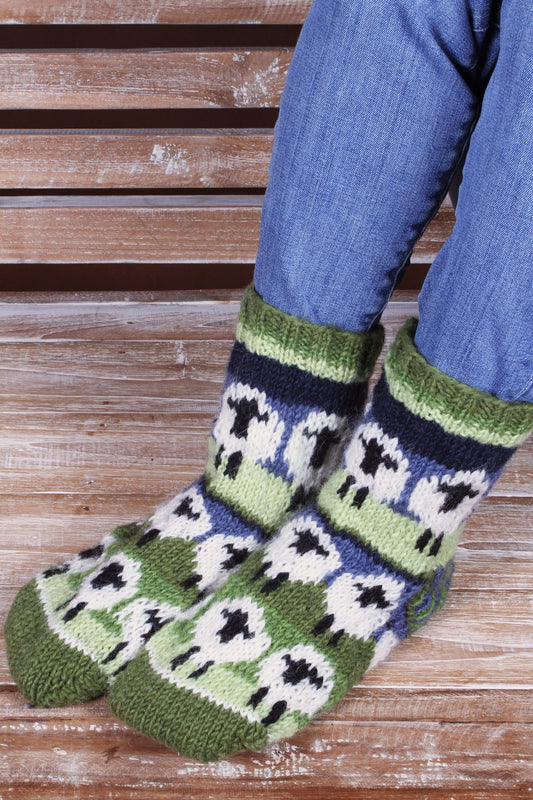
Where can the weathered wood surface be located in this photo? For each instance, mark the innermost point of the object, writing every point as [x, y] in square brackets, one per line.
[79, 12]
[104, 412]
[147, 160]
[148, 78]
[162, 229]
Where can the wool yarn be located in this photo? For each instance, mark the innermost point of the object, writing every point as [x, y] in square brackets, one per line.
[346, 578]
[290, 398]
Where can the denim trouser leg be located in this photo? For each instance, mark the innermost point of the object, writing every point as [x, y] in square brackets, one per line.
[476, 305]
[378, 106]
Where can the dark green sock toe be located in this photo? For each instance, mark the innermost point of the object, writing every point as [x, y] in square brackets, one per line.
[206, 731]
[47, 671]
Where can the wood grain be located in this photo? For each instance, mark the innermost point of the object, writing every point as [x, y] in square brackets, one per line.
[96, 160]
[156, 78]
[187, 229]
[86, 748]
[82, 12]
[105, 407]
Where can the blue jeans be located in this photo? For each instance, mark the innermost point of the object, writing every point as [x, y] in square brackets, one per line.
[381, 101]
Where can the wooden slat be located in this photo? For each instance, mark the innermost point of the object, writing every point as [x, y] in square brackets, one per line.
[186, 229]
[79, 514]
[72, 462]
[84, 747]
[162, 78]
[95, 160]
[78, 12]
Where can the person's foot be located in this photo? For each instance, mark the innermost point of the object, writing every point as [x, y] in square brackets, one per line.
[345, 579]
[292, 392]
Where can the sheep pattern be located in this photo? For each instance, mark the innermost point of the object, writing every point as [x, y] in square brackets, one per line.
[208, 540]
[354, 604]
[359, 567]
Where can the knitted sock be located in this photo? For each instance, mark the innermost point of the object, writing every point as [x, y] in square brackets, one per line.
[344, 580]
[292, 392]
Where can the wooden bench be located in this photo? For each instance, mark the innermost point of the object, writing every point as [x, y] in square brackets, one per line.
[144, 167]
[87, 196]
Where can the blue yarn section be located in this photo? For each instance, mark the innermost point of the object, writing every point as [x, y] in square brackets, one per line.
[429, 440]
[290, 384]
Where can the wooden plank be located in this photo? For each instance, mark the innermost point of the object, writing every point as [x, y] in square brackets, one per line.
[177, 229]
[216, 297]
[151, 78]
[135, 160]
[72, 463]
[328, 756]
[130, 316]
[361, 704]
[132, 12]
[201, 791]
[62, 523]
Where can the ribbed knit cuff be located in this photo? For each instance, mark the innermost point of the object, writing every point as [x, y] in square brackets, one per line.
[323, 350]
[458, 408]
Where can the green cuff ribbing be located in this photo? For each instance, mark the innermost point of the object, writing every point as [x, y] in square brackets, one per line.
[459, 409]
[322, 350]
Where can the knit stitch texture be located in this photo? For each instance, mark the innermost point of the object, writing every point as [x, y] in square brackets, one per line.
[291, 396]
[346, 578]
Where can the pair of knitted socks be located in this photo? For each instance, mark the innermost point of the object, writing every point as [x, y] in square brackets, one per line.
[318, 538]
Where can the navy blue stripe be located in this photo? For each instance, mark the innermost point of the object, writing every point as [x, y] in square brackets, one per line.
[294, 385]
[429, 440]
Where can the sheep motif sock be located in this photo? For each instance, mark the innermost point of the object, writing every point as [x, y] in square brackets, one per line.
[346, 578]
[292, 393]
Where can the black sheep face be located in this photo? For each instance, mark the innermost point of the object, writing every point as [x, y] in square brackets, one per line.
[443, 503]
[217, 557]
[116, 579]
[227, 631]
[359, 605]
[311, 452]
[182, 517]
[302, 550]
[247, 427]
[139, 621]
[376, 466]
[295, 679]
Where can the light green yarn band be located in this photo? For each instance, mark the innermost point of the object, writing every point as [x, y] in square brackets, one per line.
[258, 493]
[459, 409]
[394, 536]
[322, 350]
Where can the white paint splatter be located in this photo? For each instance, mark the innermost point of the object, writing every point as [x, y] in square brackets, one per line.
[225, 769]
[173, 158]
[256, 91]
[320, 746]
[181, 356]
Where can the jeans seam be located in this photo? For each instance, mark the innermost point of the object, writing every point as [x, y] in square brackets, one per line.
[405, 263]
[524, 391]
